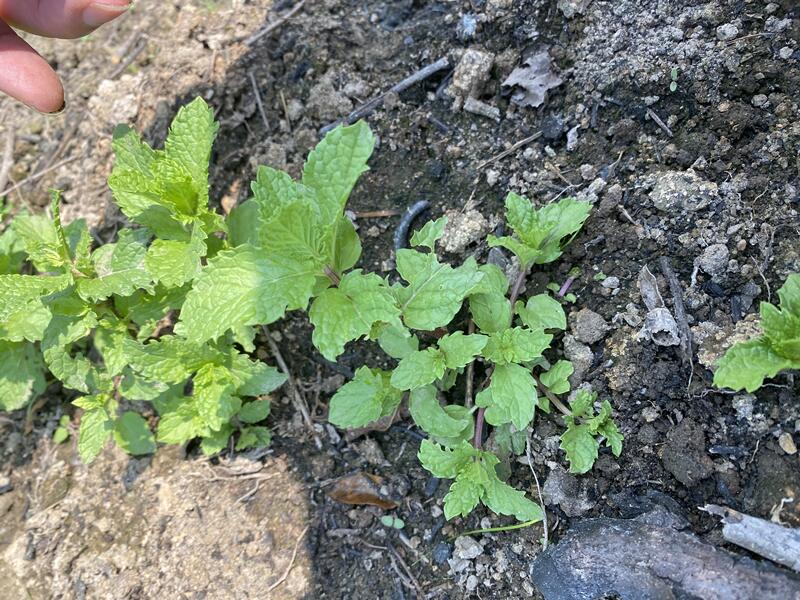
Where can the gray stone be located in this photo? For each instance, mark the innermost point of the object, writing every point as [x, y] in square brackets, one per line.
[467, 548]
[726, 32]
[441, 552]
[471, 74]
[587, 326]
[714, 260]
[683, 191]
[581, 357]
[567, 491]
[570, 8]
[684, 454]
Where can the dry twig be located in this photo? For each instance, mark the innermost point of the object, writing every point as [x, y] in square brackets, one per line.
[259, 103]
[39, 175]
[514, 148]
[275, 24]
[297, 398]
[291, 562]
[8, 158]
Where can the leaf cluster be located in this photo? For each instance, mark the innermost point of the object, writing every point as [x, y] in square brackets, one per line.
[747, 364]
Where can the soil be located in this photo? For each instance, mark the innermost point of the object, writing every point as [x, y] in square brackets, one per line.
[678, 119]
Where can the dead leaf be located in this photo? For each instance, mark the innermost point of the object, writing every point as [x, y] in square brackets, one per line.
[535, 79]
[361, 488]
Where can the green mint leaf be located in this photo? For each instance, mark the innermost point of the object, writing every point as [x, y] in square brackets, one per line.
[582, 404]
[254, 378]
[60, 435]
[41, 240]
[119, 268]
[214, 396]
[110, 343]
[746, 365]
[146, 310]
[540, 232]
[781, 330]
[130, 152]
[133, 435]
[253, 437]
[509, 440]
[580, 445]
[505, 500]
[189, 143]
[244, 286]
[21, 375]
[255, 411]
[397, 342]
[181, 424]
[459, 349]
[435, 291]
[789, 294]
[216, 441]
[542, 312]
[516, 345]
[419, 369]
[429, 234]
[488, 304]
[173, 263]
[12, 252]
[169, 359]
[334, 166]
[431, 417]
[465, 492]
[96, 427]
[510, 397]
[367, 398]
[557, 378]
[62, 332]
[349, 311]
[139, 197]
[23, 315]
[445, 463]
[460, 414]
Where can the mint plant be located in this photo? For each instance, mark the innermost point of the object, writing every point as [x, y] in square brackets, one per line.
[747, 364]
[167, 315]
[293, 245]
[98, 320]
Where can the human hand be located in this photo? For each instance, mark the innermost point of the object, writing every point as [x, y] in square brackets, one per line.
[24, 74]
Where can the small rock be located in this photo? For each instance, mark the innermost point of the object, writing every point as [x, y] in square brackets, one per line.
[682, 190]
[482, 109]
[587, 172]
[744, 405]
[726, 32]
[467, 548]
[465, 30]
[714, 260]
[441, 552]
[581, 357]
[472, 583]
[572, 138]
[759, 101]
[786, 442]
[325, 102]
[492, 176]
[587, 326]
[570, 8]
[470, 75]
[611, 283]
[372, 453]
[684, 453]
[552, 127]
[463, 228]
[567, 491]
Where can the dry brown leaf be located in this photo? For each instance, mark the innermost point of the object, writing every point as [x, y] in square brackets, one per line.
[361, 488]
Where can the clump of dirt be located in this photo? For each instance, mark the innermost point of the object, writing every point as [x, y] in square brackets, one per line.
[153, 528]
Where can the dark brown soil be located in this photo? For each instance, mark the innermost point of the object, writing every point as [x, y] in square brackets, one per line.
[732, 120]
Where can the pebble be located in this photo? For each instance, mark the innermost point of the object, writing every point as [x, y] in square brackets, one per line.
[683, 191]
[572, 138]
[786, 442]
[726, 32]
[471, 583]
[611, 283]
[714, 259]
[441, 552]
[581, 357]
[587, 326]
[467, 548]
[759, 101]
[785, 52]
[552, 127]
[568, 492]
[470, 75]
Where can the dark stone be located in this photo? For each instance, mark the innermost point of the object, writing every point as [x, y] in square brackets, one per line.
[552, 127]
[441, 552]
[684, 454]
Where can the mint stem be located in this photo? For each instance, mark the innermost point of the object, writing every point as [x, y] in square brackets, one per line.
[477, 441]
[565, 288]
[331, 274]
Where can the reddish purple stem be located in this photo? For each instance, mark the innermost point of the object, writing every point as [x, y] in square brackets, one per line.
[565, 288]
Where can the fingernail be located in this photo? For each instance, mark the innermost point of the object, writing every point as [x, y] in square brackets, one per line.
[55, 113]
[99, 13]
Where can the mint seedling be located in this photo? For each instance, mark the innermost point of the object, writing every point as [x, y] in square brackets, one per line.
[747, 364]
[90, 318]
